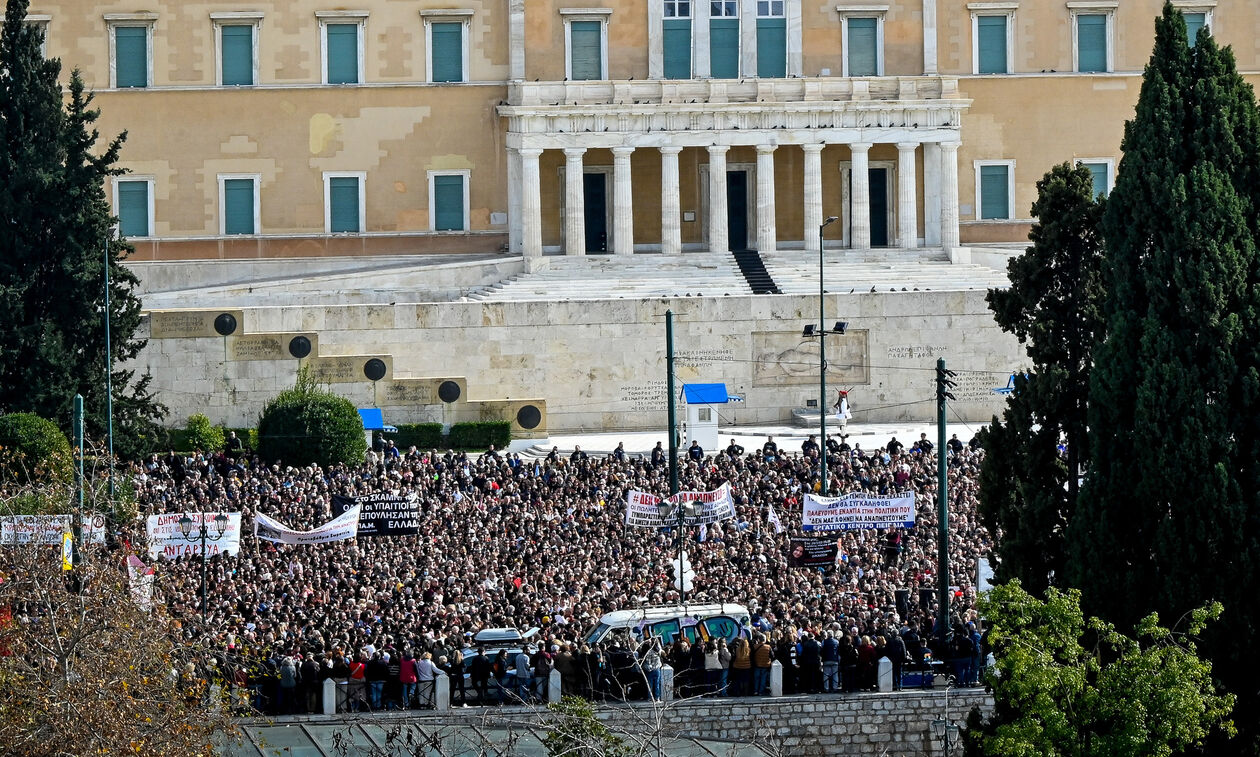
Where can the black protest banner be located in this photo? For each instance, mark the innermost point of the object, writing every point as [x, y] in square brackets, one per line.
[382, 514]
[813, 552]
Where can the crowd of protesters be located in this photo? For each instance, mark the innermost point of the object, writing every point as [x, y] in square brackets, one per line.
[505, 541]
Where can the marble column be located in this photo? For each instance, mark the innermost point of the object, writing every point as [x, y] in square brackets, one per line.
[767, 235]
[949, 195]
[907, 210]
[531, 203]
[718, 239]
[514, 200]
[860, 199]
[929, 37]
[516, 40]
[623, 202]
[574, 202]
[932, 194]
[671, 211]
[812, 192]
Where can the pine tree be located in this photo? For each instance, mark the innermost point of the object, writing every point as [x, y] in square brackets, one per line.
[56, 225]
[1028, 489]
[1168, 517]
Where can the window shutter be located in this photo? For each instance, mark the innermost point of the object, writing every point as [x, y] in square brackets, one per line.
[448, 203]
[863, 60]
[447, 55]
[343, 53]
[724, 48]
[991, 44]
[237, 45]
[994, 192]
[1091, 43]
[771, 47]
[343, 204]
[238, 206]
[1098, 171]
[133, 208]
[1194, 22]
[131, 56]
[584, 41]
[677, 44]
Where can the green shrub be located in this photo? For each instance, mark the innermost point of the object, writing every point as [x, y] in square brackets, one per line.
[480, 435]
[204, 435]
[422, 436]
[33, 449]
[308, 424]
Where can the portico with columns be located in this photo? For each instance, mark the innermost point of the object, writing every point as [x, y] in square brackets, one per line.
[786, 153]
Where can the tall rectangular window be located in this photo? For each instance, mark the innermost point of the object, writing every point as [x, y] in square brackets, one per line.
[994, 190]
[236, 51]
[586, 50]
[862, 41]
[132, 201]
[343, 194]
[1194, 22]
[1100, 173]
[771, 39]
[724, 39]
[446, 51]
[991, 42]
[448, 201]
[1091, 42]
[341, 49]
[239, 204]
[676, 43]
[131, 56]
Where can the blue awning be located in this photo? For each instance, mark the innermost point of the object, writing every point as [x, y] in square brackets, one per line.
[705, 394]
[373, 420]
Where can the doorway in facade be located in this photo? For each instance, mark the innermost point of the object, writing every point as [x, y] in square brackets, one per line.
[737, 210]
[595, 200]
[879, 207]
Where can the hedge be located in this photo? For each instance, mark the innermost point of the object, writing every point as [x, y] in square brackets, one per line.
[480, 435]
[33, 449]
[307, 424]
[423, 436]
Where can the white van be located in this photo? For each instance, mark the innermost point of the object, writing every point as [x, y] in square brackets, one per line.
[692, 622]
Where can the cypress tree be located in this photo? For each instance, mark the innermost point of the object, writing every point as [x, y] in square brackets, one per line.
[1168, 517]
[56, 225]
[1028, 489]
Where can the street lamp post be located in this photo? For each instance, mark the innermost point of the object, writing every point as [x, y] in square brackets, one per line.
[822, 357]
[944, 729]
[220, 528]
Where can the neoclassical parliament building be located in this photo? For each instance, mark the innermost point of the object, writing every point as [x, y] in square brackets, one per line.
[301, 128]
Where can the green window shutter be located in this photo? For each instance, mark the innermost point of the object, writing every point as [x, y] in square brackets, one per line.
[1098, 171]
[238, 206]
[994, 192]
[677, 44]
[343, 204]
[863, 57]
[237, 44]
[133, 208]
[1091, 42]
[343, 53]
[131, 56]
[447, 55]
[724, 48]
[991, 44]
[448, 203]
[1194, 22]
[586, 50]
[771, 48]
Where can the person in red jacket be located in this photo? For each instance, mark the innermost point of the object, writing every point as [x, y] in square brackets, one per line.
[407, 676]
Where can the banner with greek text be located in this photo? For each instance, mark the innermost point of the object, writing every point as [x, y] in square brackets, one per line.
[167, 539]
[711, 507]
[343, 527]
[381, 513]
[47, 529]
[858, 510]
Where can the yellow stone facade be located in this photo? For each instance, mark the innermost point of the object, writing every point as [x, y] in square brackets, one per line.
[394, 127]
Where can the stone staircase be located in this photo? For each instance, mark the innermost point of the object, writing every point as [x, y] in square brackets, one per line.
[879, 271]
[622, 277]
[755, 273]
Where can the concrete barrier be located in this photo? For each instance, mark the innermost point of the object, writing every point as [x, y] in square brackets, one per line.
[667, 683]
[442, 692]
[885, 674]
[329, 693]
[776, 679]
[553, 687]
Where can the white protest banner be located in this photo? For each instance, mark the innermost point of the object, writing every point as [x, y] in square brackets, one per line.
[47, 529]
[711, 507]
[343, 527]
[858, 510]
[168, 540]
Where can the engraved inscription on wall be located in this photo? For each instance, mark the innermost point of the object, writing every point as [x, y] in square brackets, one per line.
[345, 369]
[644, 396]
[183, 324]
[976, 386]
[914, 352]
